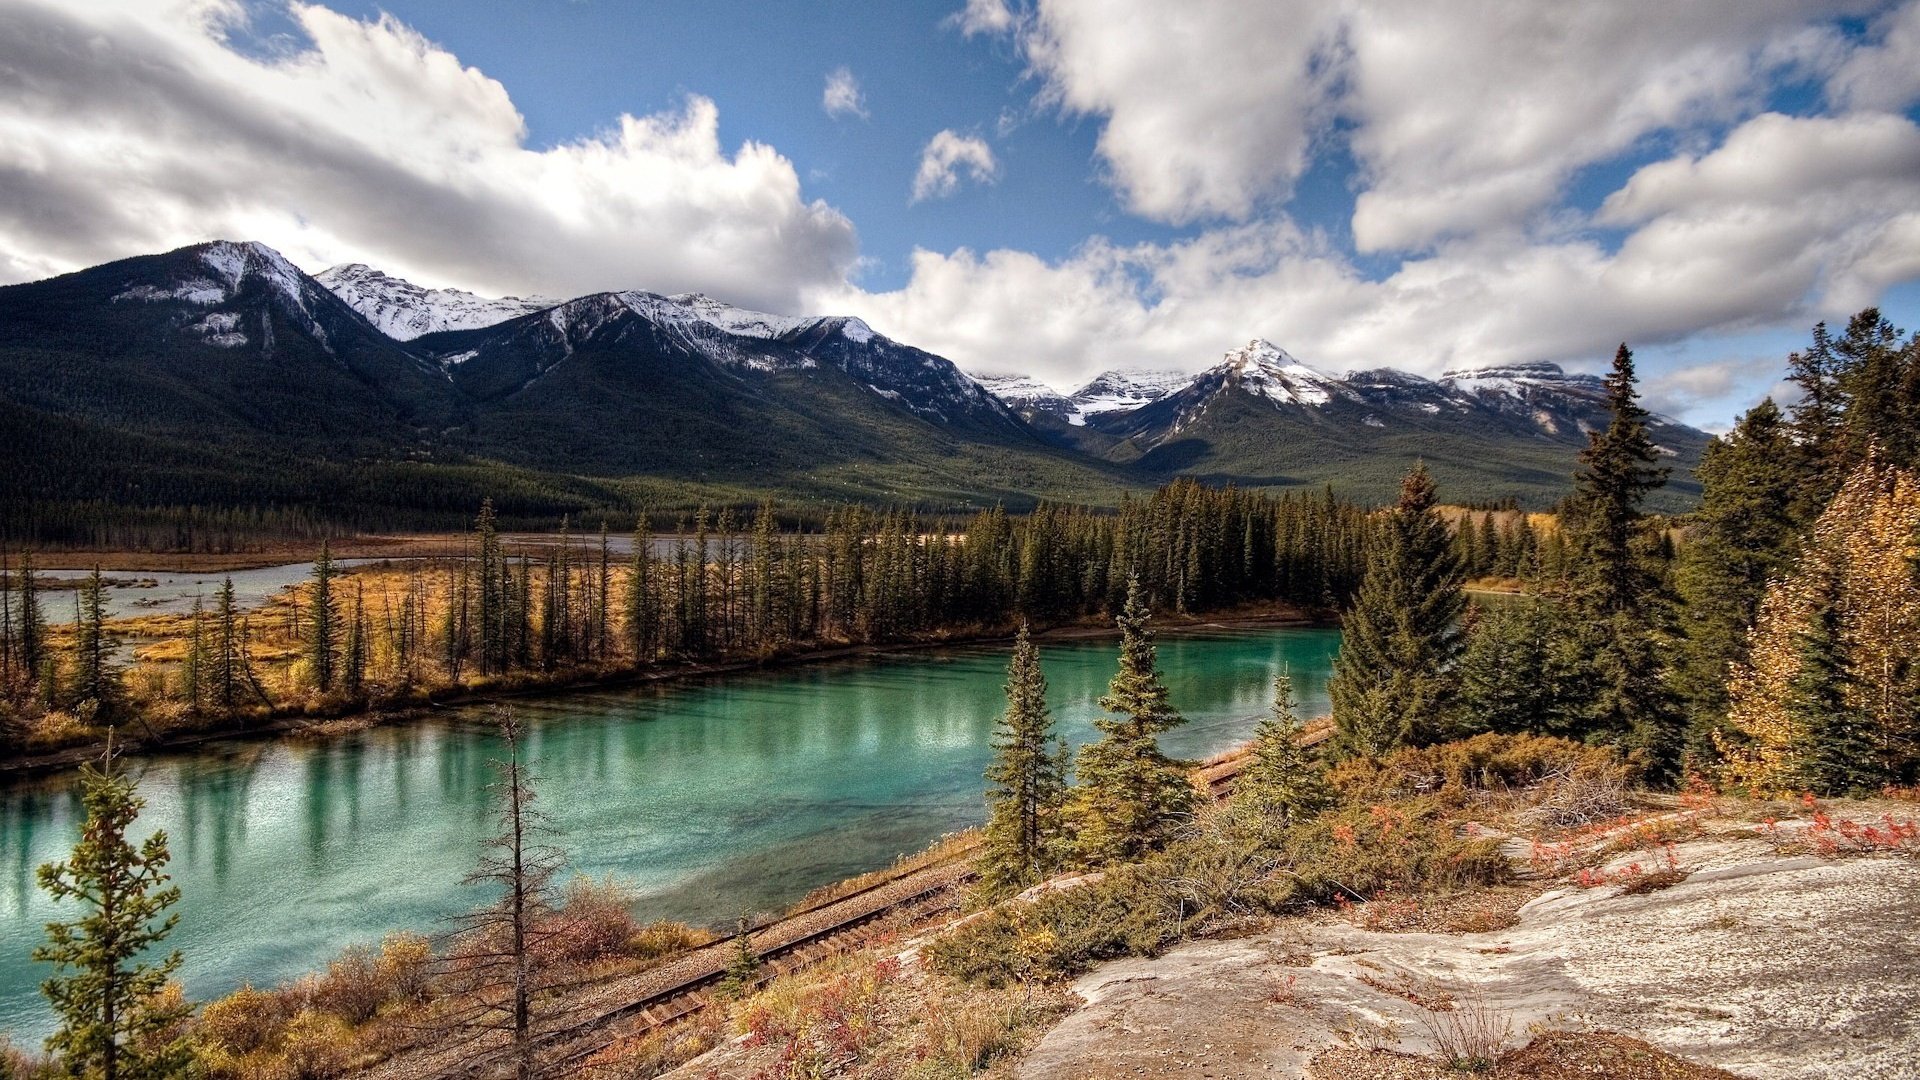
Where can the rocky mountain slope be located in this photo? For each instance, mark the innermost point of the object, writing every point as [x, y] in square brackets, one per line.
[221, 374]
[1262, 417]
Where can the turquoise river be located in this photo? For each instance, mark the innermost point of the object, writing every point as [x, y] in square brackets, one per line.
[712, 797]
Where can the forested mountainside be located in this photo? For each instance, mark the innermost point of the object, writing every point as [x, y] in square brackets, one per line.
[222, 387]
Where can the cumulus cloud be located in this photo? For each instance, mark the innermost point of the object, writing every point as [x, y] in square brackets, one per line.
[843, 97]
[983, 17]
[132, 126]
[1885, 75]
[1462, 119]
[1714, 244]
[944, 157]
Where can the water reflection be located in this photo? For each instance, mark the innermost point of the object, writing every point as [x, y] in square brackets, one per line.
[712, 797]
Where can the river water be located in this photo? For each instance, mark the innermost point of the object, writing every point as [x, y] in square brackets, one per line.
[713, 797]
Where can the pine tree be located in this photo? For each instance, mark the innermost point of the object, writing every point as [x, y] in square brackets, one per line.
[1621, 597]
[1520, 671]
[1836, 749]
[1131, 798]
[32, 632]
[1743, 535]
[95, 677]
[353, 658]
[323, 625]
[1027, 777]
[114, 1022]
[1281, 785]
[1394, 680]
[225, 674]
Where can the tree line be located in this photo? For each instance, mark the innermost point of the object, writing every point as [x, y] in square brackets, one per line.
[720, 585]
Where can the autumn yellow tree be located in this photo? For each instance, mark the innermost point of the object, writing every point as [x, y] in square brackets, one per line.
[1827, 699]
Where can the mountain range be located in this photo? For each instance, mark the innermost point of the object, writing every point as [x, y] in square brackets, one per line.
[223, 375]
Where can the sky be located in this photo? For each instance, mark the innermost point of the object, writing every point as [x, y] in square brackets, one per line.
[1045, 187]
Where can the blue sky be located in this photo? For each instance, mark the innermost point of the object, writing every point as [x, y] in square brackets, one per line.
[1102, 183]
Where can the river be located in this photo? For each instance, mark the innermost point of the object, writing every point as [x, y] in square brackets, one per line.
[713, 797]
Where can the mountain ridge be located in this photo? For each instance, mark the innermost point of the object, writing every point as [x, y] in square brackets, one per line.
[233, 371]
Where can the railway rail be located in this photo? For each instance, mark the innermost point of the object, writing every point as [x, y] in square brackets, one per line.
[582, 1024]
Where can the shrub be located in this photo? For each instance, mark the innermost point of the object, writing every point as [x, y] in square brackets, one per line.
[1539, 770]
[352, 988]
[316, 1046]
[245, 1020]
[1224, 871]
[594, 921]
[405, 967]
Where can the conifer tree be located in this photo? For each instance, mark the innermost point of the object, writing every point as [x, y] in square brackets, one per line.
[1131, 798]
[1521, 671]
[224, 676]
[95, 677]
[1281, 785]
[353, 658]
[1620, 595]
[1394, 680]
[1027, 777]
[1743, 535]
[1837, 751]
[106, 993]
[32, 632]
[323, 625]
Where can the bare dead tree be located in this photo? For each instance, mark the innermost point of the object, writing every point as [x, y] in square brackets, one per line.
[496, 946]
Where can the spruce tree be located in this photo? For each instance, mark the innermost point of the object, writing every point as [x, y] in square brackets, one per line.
[1394, 679]
[1743, 535]
[95, 677]
[1027, 777]
[32, 632]
[1837, 751]
[1620, 594]
[114, 1023]
[1131, 797]
[225, 674]
[1281, 785]
[323, 625]
[1521, 671]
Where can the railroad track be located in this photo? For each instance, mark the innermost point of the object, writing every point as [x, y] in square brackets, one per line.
[580, 1027]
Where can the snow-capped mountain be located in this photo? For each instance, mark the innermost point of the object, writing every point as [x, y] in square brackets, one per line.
[218, 273]
[404, 311]
[1109, 391]
[1119, 391]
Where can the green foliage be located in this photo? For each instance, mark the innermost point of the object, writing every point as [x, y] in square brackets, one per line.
[1457, 773]
[1522, 670]
[1744, 535]
[115, 1022]
[323, 624]
[1219, 873]
[1027, 778]
[1281, 785]
[1394, 680]
[1839, 751]
[1621, 597]
[95, 676]
[1131, 798]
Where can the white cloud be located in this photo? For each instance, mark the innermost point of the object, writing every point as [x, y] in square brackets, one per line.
[989, 17]
[1463, 117]
[943, 159]
[1887, 74]
[1714, 246]
[131, 127]
[842, 97]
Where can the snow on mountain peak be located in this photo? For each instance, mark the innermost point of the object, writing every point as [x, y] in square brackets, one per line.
[404, 311]
[1270, 371]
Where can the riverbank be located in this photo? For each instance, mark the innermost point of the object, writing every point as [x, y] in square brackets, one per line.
[529, 686]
